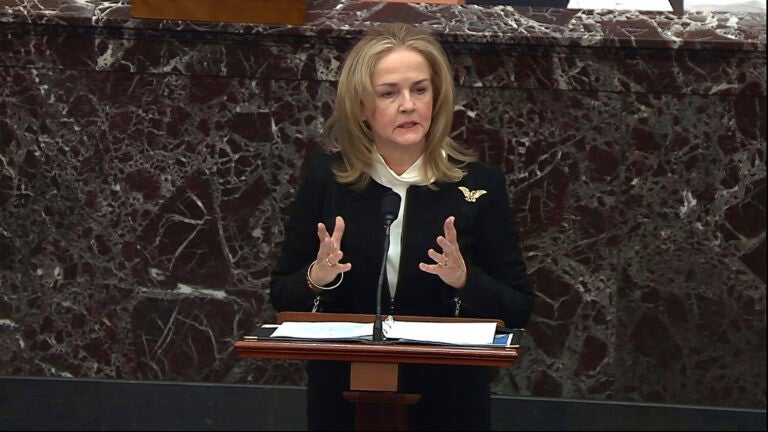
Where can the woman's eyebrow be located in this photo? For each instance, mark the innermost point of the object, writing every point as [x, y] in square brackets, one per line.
[421, 81]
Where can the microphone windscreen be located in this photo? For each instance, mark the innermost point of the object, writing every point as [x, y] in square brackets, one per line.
[390, 206]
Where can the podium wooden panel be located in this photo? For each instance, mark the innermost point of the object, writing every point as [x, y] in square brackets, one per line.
[374, 366]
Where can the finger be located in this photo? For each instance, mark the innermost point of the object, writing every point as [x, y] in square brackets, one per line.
[447, 247]
[338, 231]
[333, 259]
[322, 232]
[332, 256]
[430, 268]
[440, 259]
[328, 249]
[342, 267]
[450, 229]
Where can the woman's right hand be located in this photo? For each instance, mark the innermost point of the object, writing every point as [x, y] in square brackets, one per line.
[327, 267]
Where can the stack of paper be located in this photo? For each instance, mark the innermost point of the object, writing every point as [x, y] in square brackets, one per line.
[464, 333]
[648, 5]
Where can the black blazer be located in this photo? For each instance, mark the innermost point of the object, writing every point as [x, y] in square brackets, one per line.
[452, 397]
[497, 281]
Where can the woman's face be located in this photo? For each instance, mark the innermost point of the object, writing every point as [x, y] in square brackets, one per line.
[402, 110]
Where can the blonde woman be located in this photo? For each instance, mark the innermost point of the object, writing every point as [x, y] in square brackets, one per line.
[453, 251]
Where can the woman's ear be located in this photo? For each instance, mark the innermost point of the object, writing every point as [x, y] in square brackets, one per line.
[362, 114]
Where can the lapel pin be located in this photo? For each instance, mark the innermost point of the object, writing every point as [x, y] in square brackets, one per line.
[471, 196]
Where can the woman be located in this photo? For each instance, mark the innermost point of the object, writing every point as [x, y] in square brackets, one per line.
[453, 247]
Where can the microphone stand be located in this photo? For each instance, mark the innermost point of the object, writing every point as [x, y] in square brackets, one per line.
[390, 206]
[378, 331]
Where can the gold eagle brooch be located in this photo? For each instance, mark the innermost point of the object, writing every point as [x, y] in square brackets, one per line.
[471, 196]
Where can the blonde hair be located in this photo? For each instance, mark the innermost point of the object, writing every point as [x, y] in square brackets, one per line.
[346, 131]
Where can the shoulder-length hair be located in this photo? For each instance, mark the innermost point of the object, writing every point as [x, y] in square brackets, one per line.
[347, 132]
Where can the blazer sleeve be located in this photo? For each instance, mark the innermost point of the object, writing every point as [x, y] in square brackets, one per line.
[288, 286]
[498, 285]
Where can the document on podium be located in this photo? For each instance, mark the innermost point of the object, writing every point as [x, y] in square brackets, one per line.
[324, 330]
[649, 5]
[441, 333]
[465, 333]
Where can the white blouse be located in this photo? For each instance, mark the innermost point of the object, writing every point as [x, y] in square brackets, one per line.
[399, 183]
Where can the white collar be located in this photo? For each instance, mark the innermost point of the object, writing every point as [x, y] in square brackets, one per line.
[384, 175]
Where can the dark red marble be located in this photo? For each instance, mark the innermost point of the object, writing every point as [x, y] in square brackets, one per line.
[146, 168]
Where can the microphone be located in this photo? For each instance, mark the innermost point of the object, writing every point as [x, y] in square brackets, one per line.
[390, 207]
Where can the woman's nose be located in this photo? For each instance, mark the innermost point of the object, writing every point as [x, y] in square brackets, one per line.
[406, 102]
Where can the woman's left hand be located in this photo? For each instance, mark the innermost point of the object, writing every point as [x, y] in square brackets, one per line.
[449, 265]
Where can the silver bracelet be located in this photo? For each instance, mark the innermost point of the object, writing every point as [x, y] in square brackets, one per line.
[314, 285]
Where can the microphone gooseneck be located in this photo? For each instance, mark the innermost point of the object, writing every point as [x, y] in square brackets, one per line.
[390, 207]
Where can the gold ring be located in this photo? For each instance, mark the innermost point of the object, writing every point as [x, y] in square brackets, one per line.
[330, 264]
[445, 261]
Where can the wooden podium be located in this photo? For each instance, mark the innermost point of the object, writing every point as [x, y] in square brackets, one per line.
[374, 367]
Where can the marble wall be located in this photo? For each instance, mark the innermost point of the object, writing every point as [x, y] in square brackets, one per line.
[146, 168]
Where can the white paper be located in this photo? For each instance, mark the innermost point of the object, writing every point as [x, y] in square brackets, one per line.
[751, 6]
[470, 333]
[324, 330]
[647, 5]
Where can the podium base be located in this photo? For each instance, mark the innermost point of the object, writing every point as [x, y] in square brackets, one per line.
[381, 410]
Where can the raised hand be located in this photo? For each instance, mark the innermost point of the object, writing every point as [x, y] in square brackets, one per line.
[449, 265]
[327, 266]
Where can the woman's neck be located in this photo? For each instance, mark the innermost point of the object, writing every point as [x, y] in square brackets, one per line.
[400, 160]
